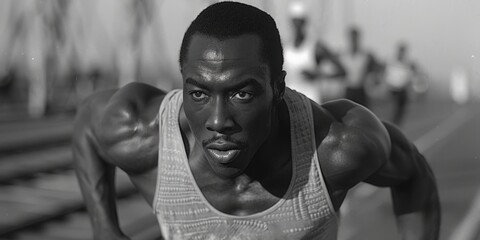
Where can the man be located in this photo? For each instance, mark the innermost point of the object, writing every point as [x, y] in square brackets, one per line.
[305, 58]
[399, 77]
[359, 65]
[236, 154]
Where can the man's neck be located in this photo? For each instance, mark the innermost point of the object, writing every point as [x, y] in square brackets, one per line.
[355, 50]
[299, 40]
[265, 161]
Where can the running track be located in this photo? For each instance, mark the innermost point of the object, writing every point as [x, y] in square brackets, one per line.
[449, 137]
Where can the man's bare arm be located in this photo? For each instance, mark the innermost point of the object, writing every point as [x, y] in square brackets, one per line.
[415, 199]
[389, 159]
[95, 176]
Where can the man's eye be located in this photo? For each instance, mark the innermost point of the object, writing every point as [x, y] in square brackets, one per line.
[198, 95]
[244, 96]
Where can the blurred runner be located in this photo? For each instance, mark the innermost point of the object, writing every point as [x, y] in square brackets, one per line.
[459, 86]
[399, 76]
[304, 57]
[359, 65]
[28, 51]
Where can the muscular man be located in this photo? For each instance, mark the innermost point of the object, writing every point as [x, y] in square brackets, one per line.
[237, 155]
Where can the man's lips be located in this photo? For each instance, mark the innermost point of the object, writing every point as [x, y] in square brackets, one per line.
[224, 156]
[223, 145]
[223, 150]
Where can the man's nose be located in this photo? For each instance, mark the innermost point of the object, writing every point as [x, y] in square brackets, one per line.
[220, 120]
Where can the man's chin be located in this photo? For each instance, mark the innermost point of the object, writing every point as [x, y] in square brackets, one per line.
[226, 171]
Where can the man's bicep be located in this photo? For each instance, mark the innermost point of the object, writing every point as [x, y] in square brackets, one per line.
[89, 165]
[96, 177]
[409, 176]
[87, 160]
[400, 164]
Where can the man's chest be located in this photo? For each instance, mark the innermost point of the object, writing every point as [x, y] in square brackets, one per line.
[237, 201]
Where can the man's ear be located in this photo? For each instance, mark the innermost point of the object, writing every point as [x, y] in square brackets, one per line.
[279, 87]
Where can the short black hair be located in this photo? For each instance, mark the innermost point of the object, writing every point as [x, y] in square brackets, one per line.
[226, 20]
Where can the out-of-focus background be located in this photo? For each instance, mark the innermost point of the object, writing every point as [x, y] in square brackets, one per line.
[54, 53]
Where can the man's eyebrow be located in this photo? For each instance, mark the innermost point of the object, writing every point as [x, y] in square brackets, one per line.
[247, 82]
[241, 84]
[192, 81]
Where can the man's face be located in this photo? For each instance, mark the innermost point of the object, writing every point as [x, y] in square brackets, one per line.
[228, 100]
[299, 24]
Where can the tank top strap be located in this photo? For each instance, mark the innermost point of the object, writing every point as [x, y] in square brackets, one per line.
[168, 116]
[310, 178]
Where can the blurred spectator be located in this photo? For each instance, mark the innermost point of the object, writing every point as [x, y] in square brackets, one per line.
[35, 36]
[421, 82]
[399, 76]
[360, 65]
[28, 42]
[305, 56]
[459, 86]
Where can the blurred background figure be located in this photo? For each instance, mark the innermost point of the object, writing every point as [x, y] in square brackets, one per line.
[360, 65]
[27, 48]
[305, 57]
[299, 54]
[460, 86]
[399, 75]
[421, 83]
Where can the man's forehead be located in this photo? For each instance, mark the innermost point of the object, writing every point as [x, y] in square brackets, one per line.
[208, 48]
[213, 55]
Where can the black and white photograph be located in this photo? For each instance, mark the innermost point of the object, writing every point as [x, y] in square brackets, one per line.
[239, 120]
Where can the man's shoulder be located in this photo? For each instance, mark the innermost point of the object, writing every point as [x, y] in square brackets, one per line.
[111, 113]
[114, 122]
[120, 100]
[338, 119]
[91, 108]
[352, 129]
[355, 143]
[350, 113]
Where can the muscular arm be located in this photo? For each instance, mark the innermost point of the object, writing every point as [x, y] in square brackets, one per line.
[415, 198]
[95, 175]
[114, 129]
[379, 154]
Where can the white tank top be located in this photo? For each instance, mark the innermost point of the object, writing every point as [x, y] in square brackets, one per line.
[398, 75]
[355, 66]
[305, 211]
[298, 59]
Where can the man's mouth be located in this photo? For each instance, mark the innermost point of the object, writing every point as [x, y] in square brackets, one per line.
[224, 156]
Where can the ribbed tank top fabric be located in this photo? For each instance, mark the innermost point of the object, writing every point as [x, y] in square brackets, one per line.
[305, 211]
